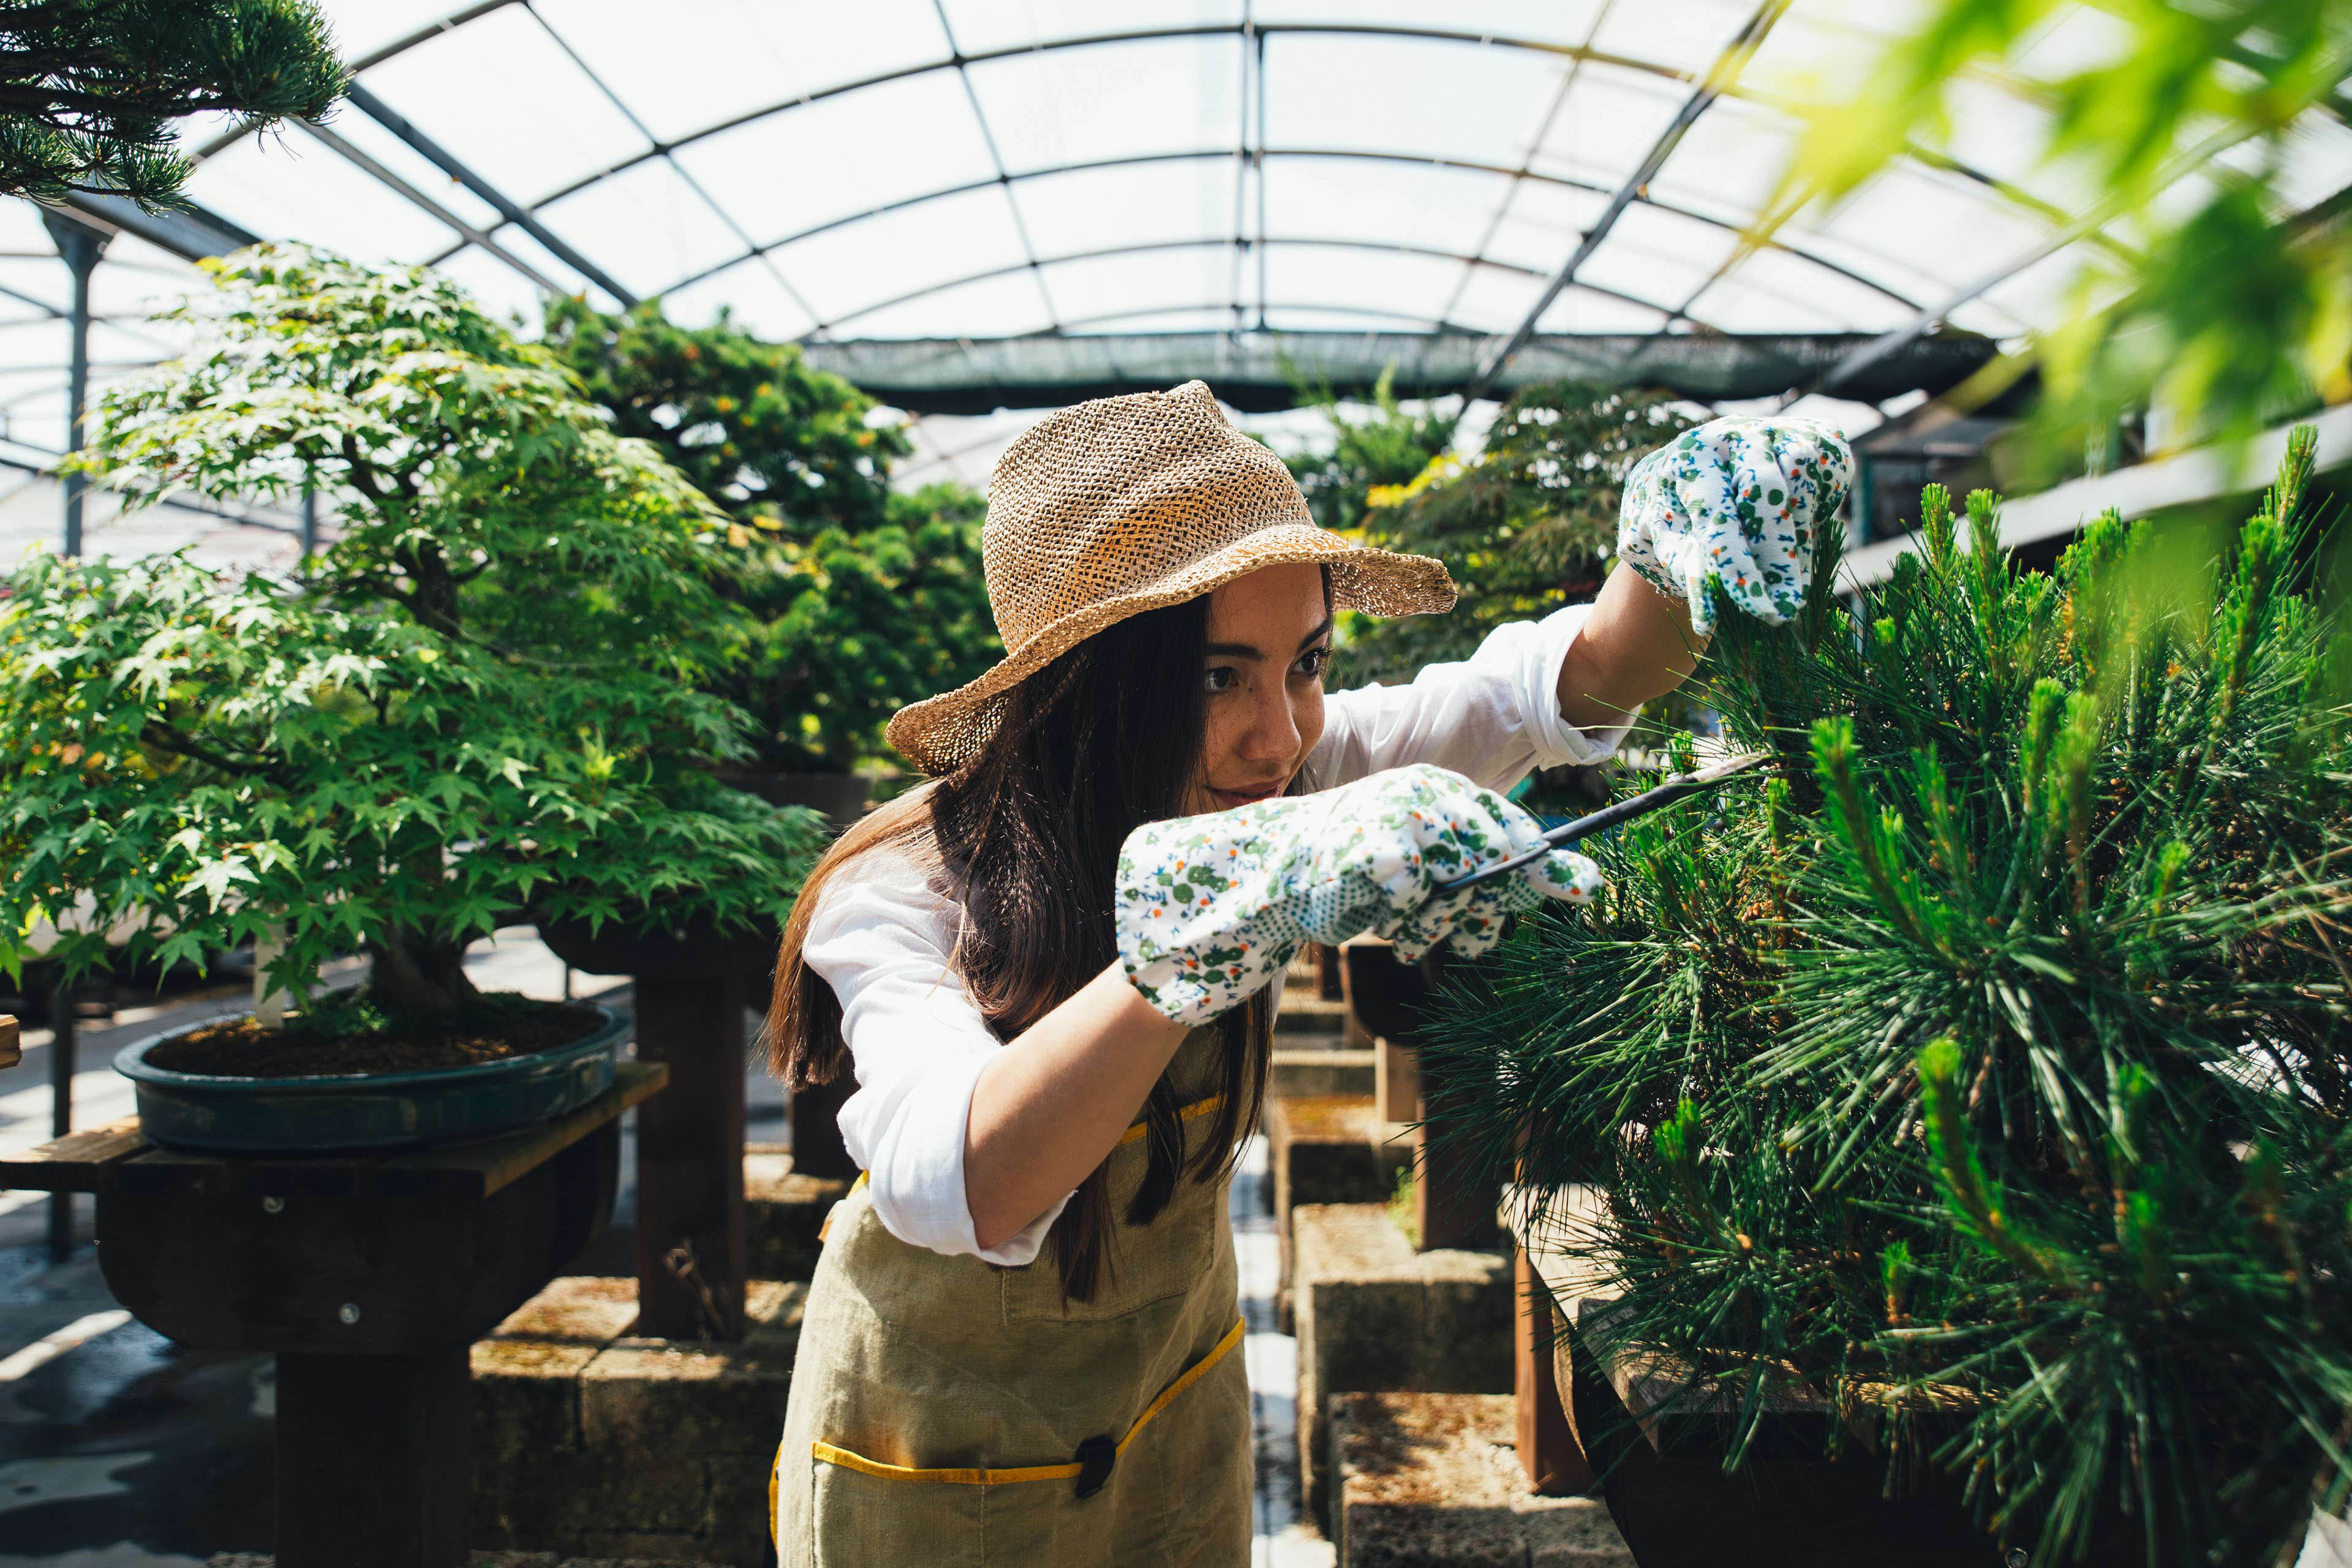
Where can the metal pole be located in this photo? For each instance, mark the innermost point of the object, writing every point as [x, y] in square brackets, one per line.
[79, 248]
[61, 1074]
[310, 519]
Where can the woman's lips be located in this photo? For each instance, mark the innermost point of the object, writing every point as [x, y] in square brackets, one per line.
[1227, 799]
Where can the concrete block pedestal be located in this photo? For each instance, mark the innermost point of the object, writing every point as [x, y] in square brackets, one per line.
[1431, 1480]
[1328, 1149]
[593, 1444]
[1375, 1316]
[783, 1212]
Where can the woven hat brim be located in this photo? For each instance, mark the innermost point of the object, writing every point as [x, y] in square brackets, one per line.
[940, 733]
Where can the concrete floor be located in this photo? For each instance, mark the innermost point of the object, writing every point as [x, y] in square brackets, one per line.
[120, 1449]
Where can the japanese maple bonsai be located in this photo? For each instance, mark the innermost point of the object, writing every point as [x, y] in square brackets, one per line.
[484, 697]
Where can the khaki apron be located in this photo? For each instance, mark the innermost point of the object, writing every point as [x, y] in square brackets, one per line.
[947, 1411]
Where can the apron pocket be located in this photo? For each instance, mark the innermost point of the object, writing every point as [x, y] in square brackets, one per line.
[864, 1520]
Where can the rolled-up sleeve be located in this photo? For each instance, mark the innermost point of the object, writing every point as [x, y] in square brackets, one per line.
[883, 939]
[1493, 718]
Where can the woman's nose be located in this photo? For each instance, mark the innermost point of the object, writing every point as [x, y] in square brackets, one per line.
[1273, 734]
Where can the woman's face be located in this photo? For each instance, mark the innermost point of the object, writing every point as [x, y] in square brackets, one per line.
[1262, 674]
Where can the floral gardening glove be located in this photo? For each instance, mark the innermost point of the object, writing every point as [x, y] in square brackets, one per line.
[1210, 908]
[1736, 500]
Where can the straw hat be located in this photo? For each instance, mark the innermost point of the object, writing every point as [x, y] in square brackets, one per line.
[1113, 507]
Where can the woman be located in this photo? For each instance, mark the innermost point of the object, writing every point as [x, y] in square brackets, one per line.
[1052, 969]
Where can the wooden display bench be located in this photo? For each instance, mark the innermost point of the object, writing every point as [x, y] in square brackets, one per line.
[1653, 1439]
[368, 1277]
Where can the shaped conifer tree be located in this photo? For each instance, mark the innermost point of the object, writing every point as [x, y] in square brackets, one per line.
[91, 89]
[1982, 1064]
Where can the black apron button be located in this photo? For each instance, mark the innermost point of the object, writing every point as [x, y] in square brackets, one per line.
[1096, 1456]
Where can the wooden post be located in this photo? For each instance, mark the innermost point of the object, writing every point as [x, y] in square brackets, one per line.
[1554, 1461]
[1454, 1207]
[405, 1423]
[11, 1052]
[817, 1148]
[1396, 1080]
[1328, 984]
[691, 1245]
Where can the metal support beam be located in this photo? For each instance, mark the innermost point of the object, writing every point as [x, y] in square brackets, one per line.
[186, 230]
[383, 114]
[79, 247]
[1727, 66]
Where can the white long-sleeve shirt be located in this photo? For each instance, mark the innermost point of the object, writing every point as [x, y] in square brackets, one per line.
[881, 937]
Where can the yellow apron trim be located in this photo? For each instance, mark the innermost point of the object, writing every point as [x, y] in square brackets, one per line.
[826, 1453]
[774, 1523]
[826, 1228]
[1197, 1109]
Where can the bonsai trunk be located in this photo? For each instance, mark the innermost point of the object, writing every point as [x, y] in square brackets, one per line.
[412, 975]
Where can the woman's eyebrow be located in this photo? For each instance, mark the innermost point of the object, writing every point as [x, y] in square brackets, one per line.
[1244, 651]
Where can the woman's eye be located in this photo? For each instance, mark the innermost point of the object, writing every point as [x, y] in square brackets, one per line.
[1220, 677]
[1312, 662]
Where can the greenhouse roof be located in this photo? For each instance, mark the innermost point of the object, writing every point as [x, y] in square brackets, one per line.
[974, 204]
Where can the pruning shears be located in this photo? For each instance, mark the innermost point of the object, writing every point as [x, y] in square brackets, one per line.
[1680, 786]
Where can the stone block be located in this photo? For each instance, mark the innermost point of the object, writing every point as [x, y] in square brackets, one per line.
[1326, 1149]
[674, 1397]
[1433, 1480]
[1305, 1014]
[527, 1372]
[784, 1210]
[1315, 1071]
[1374, 1316]
[667, 1448]
[738, 1502]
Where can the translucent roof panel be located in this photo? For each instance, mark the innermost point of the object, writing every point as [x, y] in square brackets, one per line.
[935, 174]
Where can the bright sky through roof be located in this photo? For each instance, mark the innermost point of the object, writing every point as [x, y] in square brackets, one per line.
[983, 168]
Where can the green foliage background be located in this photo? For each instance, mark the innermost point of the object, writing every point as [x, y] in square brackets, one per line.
[1526, 527]
[858, 599]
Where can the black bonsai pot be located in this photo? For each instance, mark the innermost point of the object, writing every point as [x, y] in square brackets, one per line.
[223, 1114]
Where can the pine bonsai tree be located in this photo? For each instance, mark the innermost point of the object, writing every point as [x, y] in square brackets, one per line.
[89, 89]
[482, 700]
[1982, 1064]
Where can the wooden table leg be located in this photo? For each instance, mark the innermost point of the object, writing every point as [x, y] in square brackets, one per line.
[1455, 1208]
[817, 1148]
[374, 1460]
[692, 1244]
[1548, 1451]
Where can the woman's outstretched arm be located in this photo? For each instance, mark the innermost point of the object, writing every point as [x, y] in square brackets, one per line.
[1637, 645]
[1057, 1099]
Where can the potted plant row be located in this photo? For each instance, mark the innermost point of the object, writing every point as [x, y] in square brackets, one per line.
[485, 699]
[1974, 1082]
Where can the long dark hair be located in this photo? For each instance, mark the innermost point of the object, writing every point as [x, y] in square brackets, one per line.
[1025, 836]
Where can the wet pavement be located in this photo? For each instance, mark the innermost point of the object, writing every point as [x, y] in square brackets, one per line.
[117, 1448]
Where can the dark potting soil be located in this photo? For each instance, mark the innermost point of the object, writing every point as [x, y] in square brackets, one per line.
[353, 1037]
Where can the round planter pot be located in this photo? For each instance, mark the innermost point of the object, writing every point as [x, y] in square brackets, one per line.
[840, 796]
[366, 1110]
[616, 949]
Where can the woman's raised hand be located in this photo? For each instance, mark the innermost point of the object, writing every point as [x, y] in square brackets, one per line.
[1210, 908]
[1736, 500]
